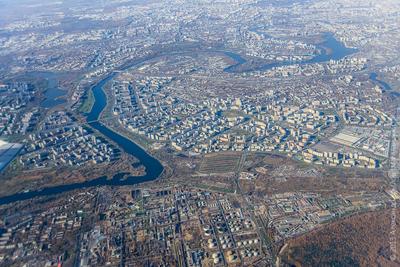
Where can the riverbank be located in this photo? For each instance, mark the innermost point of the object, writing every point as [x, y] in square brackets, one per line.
[331, 49]
[153, 167]
[88, 102]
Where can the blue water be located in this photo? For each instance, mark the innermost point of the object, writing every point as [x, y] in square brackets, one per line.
[153, 167]
[337, 50]
[52, 98]
[53, 92]
[374, 77]
[100, 99]
[237, 58]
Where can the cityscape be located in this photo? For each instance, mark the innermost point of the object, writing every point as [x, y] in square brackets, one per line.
[199, 133]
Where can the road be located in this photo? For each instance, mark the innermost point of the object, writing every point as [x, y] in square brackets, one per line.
[260, 222]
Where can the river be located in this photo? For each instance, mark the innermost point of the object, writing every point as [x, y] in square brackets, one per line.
[331, 49]
[152, 166]
[374, 77]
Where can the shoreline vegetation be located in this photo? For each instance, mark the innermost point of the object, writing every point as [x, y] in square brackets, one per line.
[87, 103]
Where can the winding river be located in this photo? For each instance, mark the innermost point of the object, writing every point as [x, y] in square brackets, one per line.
[331, 49]
[152, 166]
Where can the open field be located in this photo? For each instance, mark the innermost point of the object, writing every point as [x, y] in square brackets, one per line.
[220, 163]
